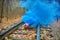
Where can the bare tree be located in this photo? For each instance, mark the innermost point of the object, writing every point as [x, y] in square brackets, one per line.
[1, 9]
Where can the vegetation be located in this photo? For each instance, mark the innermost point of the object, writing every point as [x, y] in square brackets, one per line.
[9, 9]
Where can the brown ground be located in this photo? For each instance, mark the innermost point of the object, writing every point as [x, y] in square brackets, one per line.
[9, 22]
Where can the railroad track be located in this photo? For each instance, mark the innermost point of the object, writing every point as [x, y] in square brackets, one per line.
[9, 31]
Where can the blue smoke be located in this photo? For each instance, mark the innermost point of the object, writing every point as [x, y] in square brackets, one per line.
[39, 12]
